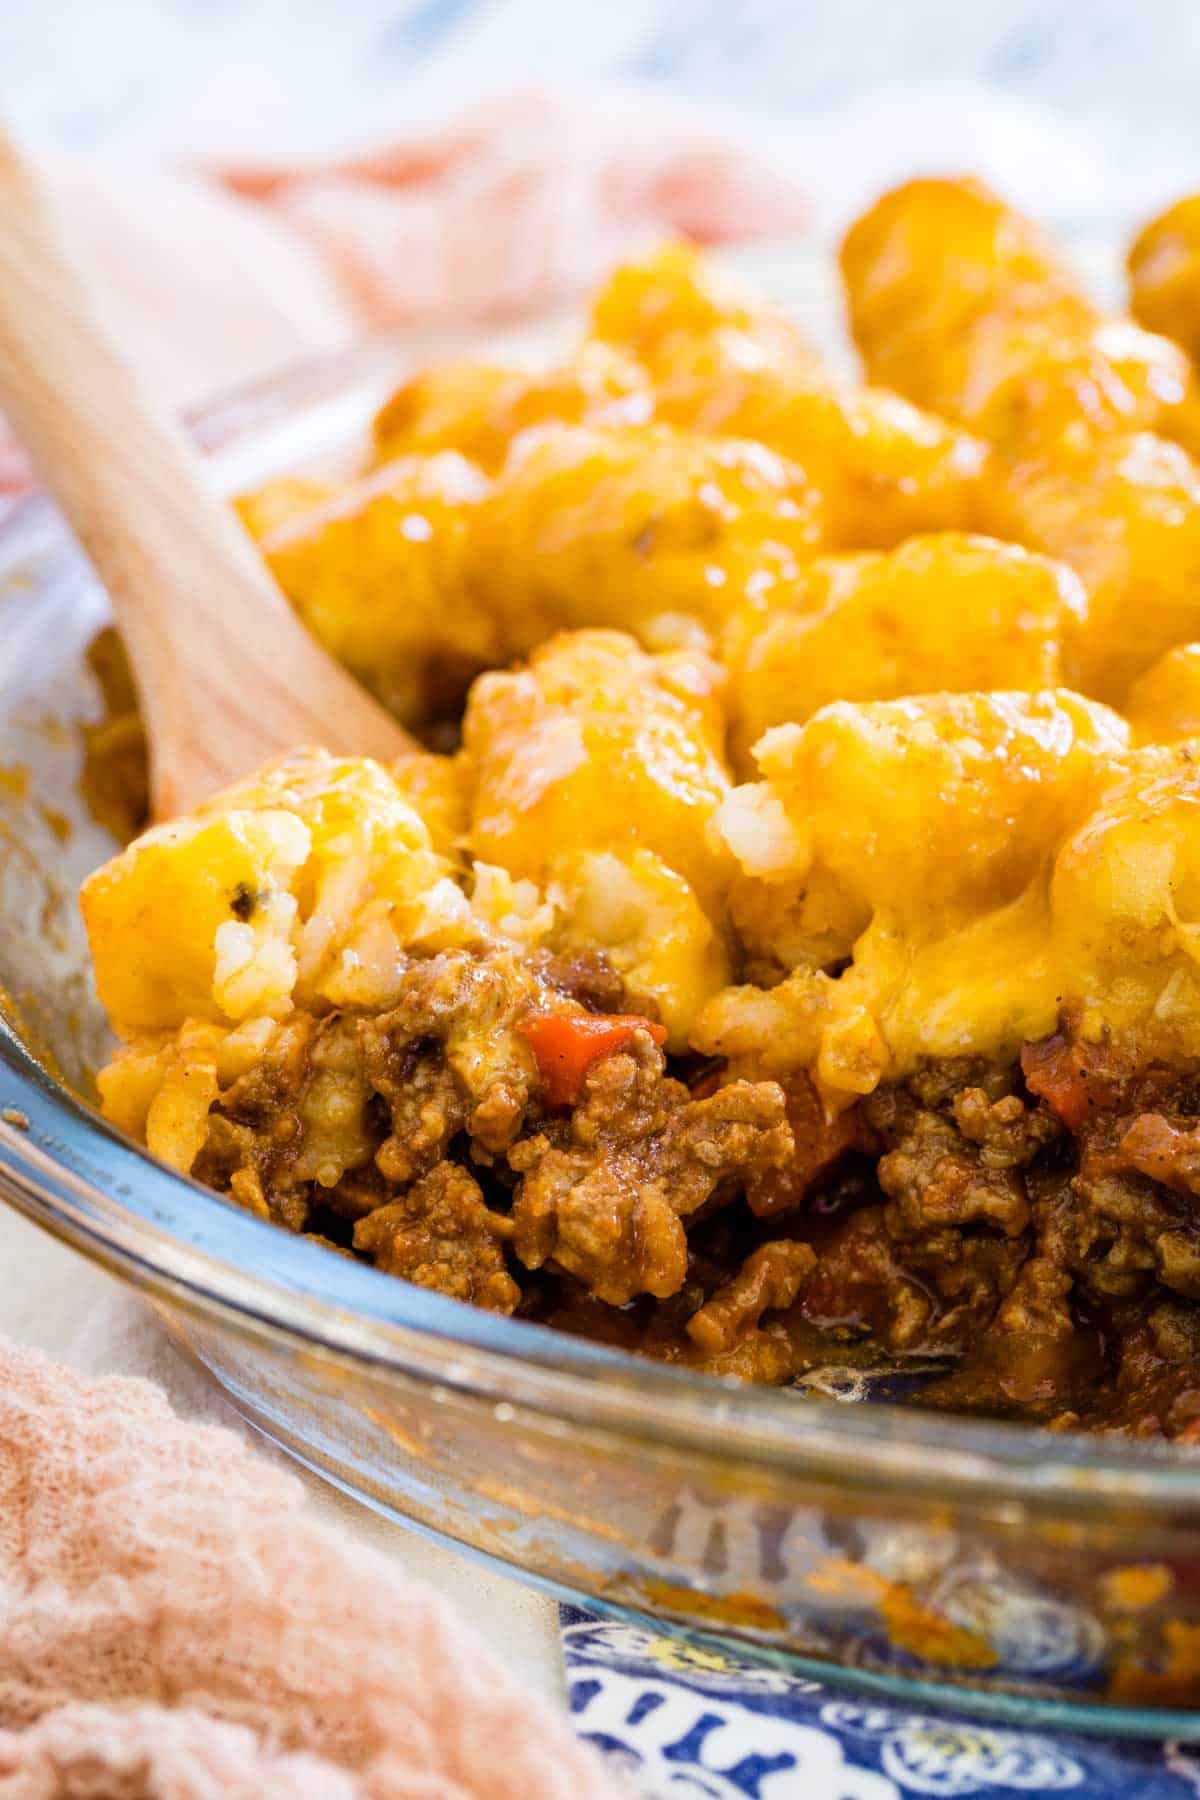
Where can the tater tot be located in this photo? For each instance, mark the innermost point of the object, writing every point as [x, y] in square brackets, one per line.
[1164, 274]
[644, 529]
[721, 362]
[597, 770]
[904, 849]
[1164, 703]
[1125, 514]
[960, 301]
[227, 914]
[945, 612]
[479, 408]
[377, 575]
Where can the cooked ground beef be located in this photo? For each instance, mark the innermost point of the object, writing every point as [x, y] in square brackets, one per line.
[1036, 1227]
[605, 1193]
[769, 1280]
[1096, 1327]
[441, 1235]
[391, 1124]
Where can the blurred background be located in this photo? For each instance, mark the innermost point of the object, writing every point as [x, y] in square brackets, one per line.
[254, 181]
[1083, 108]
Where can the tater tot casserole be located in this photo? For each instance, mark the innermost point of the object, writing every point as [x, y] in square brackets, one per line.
[783, 946]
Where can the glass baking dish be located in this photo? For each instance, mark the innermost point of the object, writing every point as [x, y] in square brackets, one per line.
[1055, 1577]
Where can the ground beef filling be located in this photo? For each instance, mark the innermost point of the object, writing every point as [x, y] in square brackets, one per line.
[427, 1140]
[1047, 1217]
[1031, 1232]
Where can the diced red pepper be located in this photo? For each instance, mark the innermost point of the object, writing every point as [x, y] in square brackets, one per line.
[1076, 1079]
[565, 1045]
[1054, 1070]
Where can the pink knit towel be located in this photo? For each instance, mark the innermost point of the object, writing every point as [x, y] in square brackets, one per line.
[174, 1626]
[218, 274]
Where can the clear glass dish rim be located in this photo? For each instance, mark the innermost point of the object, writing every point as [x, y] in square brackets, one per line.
[65, 1167]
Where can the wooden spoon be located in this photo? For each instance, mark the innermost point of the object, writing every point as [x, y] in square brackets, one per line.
[226, 674]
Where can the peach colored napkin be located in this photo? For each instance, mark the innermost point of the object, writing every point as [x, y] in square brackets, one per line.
[174, 1626]
[522, 202]
[215, 274]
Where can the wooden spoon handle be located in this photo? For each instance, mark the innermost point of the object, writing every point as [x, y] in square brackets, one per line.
[226, 674]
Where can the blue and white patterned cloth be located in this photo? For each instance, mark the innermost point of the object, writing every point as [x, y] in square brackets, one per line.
[700, 1722]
